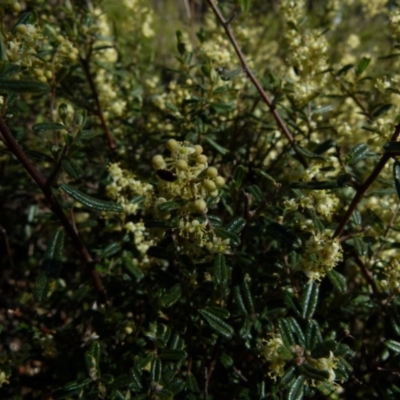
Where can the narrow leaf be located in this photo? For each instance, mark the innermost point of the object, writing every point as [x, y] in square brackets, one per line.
[91, 202]
[23, 86]
[313, 373]
[48, 126]
[236, 225]
[296, 389]
[72, 169]
[220, 270]
[217, 324]
[286, 332]
[309, 300]
[393, 345]
[362, 65]
[313, 334]
[171, 296]
[396, 176]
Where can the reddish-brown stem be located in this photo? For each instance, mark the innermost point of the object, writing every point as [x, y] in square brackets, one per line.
[99, 110]
[364, 187]
[55, 206]
[283, 127]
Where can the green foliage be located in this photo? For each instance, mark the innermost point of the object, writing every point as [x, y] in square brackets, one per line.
[180, 220]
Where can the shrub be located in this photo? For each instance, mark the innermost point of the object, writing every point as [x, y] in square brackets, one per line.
[211, 213]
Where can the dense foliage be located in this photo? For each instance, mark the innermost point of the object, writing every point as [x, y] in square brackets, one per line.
[202, 213]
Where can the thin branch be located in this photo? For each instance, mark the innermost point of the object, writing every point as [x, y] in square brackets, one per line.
[55, 206]
[99, 110]
[364, 187]
[254, 80]
[367, 273]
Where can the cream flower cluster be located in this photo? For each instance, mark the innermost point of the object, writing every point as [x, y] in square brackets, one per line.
[321, 254]
[124, 187]
[278, 355]
[185, 177]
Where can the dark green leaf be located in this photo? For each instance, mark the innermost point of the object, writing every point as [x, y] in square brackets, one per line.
[325, 146]
[216, 146]
[393, 345]
[110, 250]
[315, 185]
[234, 239]
[173, 355]
[297, 331]
[23, 86]
[338, 281]
[362, 65]
[171, 296]
[28, 17]
[313, 334]
[244, 5]
[91, 202]
[72, 169]
[236, 225]
[217, 323]
[159, 252]
[70, 388]
[48, 126]
[169, 206]
[155, 370]
[296, 389]
[255, 191]
[396, 176]
[50, 268]
[238, 175]
[357, 153]
[220, 270]
[309, 300]
[279, 232]
[313, 373]
[382, 110]
[308, 154]
[191, 384]
[285, 330]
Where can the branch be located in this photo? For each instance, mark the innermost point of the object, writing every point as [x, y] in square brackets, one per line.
[254, 80]
[364, 187]
[55, 206]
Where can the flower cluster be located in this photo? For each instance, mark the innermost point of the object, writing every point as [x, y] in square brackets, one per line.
[186, 186]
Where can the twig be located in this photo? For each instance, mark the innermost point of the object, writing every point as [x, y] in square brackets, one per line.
[55, 206]
[99, 110]
[4, 232]
[254, 80]
[367, 273]
[364, 187]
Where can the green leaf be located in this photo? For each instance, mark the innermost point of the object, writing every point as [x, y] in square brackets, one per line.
[309, 300]
[70, 388]
[23, 86]
[28, 17]
[286, 332]
[92, 358]
[220, 270]
[279, 232]
[173, 355]
[191, 384]
[236, 225]
[338, 281]
[169, 206]
[157, 224]
[357, 153]
[155, 370]
[288, 377]
[234, 239]
[238, 175]
[255, 191]
[393, 345]
[362, 65]
[244, 5]
[265, 175]
[216, 322]
[392, 147]
[216, 146]
[325, 146]
[133, 269]
[322, 350]
[48, 126]
[292, 302]
[396, 176]
[72, 169]
[297, 331]
[296, 389]
[313, 334]
[91, 202]
[171, 296]
[50, 268]
[110, 250]
[384, 108]
[313, 373]
[309, 154]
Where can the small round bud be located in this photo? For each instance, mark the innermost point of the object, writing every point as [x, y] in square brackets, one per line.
[22, 28]
[219, 181]
[173, 145]
[16, 7]
[209, 185]
[200, 205]
[212, 172]
[158, 161]
[201, 159]
[197, 149]
[195, 223]
[49, 74]
[182, 165]
[128, 330]
[214, 193]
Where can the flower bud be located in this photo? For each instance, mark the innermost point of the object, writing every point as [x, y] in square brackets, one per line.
[197, 149]
[209, 185]
[200, 205]
[182, 165]
[158, 161]
[173, 145]
[219, 181]
[212, 172]
[201, 159]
